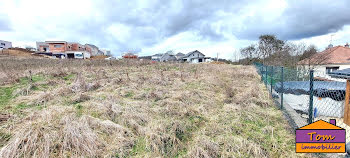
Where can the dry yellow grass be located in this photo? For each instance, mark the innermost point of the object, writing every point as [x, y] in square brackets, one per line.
[138, 109]
[19, 53]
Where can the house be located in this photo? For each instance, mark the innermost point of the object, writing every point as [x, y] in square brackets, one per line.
[327, 61]
[156, 57]
[145, 57]
[130, 56]
[179, 55]
[167, 57]
[63, 49]
[194, 57]
[42, 47]
[73, 46]
[94, 50]
[57, 46]
[106, 52]
[5, 44]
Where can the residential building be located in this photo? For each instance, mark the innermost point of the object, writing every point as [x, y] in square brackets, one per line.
[63, 49]
[42, 47]
[130, 56]
[73, 46]
[60, 47]
[5, 44]
[179, 55]
[145, 57]
[156, 57]
[194, 57]
[57, 46]
[327, 61]
[94, 50]
[167, 57]
[106, 52]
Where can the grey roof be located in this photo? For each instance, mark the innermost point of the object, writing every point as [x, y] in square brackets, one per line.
[5, 41]
[180, 54]
[167, 57]
[91, 45]
[158, 55]
[188, 54]
[345, 73]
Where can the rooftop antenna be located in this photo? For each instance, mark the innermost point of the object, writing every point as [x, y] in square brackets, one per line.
[331, 38]
[330, 42]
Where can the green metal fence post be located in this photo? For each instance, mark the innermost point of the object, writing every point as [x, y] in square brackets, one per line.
[271, 76]
[282, 87]
[311, 100]
[266, 69]
[261, 74]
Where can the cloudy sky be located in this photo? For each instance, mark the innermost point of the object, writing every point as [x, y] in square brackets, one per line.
[156, 26]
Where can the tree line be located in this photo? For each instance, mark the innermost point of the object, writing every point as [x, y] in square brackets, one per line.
[270, 50]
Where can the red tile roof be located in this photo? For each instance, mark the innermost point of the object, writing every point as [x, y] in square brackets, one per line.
[335, 55]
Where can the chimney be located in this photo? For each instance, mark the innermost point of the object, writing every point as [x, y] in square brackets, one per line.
[330, 46]
[347, 45]
[333, 122]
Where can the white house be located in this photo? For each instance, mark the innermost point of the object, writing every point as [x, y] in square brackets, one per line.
[5, 44]
[331, 59]
[106, 52]
[156, 57]
[194, 57]
[167, 57]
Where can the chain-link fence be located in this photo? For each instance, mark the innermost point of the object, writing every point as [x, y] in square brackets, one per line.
[306, 95]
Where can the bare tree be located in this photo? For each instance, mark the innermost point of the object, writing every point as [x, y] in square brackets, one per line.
[273, 51]
[309, 52]
[295, 51]
[249, 52]
[268, 45]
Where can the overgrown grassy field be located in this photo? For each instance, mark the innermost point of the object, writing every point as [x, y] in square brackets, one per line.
[66, 108]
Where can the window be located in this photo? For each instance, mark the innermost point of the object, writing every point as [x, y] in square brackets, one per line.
[331, 69]
[3, 44]
[58, 46]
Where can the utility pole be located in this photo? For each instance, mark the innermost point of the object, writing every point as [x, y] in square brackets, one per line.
[217, 57]
[235, 56]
